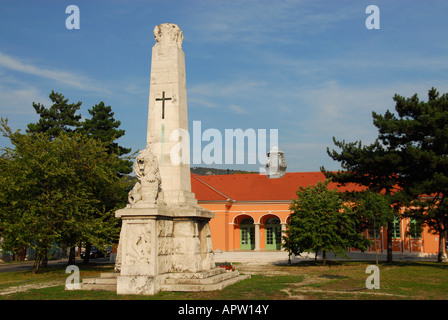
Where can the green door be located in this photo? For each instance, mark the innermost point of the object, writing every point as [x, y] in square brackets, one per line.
[273, 234]
[247, 234]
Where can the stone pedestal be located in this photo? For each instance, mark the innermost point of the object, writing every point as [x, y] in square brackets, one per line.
[159, 241]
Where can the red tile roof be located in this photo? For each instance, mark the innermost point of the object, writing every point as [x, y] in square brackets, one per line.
[256, 187]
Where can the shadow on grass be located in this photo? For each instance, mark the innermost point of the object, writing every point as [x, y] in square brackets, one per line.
[331, 263]
[310, 263]
[258, 287]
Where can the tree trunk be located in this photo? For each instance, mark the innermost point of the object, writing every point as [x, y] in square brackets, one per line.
[389, 241]
[324, 258]
[71, 256]
[44, 259]
[87, 253]
[37, 262]
[441, 243]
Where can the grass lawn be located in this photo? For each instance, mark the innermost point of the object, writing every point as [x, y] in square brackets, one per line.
[303, 281]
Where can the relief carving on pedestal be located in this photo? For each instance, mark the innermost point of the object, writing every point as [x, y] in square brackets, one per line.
[139, 244]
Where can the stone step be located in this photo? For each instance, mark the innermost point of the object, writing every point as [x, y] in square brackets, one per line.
[203, 287]
[209, 280]
[99, 280]
[197, 275]
[96, 286]
[109, 274]
[106, 281]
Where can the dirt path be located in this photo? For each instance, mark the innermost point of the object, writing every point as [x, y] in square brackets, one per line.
[327, 281]
[27, 287]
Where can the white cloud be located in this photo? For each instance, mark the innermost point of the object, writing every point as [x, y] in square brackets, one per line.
[224, 95]
[135, 87]
[67, 78]
[238, 109]
[259, 22]
[19, 101]
[201, 101]
[16, 97]
[345, 112]
[235, 87]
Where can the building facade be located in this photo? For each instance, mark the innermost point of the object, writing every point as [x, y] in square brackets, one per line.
[252, 211]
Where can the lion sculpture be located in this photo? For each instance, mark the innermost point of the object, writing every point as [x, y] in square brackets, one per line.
[148, 188]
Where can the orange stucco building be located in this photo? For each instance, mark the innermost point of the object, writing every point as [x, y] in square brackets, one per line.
[252, 210]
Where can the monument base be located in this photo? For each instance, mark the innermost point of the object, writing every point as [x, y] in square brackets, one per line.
[214, 279]
[156, 241]
[211, 280]
[141, 285]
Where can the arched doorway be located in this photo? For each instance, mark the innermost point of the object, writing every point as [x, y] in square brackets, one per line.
[273, 236]
[247, 234]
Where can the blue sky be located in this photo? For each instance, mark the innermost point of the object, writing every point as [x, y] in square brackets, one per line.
[310, 69]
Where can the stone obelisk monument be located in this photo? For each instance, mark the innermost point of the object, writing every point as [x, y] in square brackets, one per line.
[165, 241]
[168, 112]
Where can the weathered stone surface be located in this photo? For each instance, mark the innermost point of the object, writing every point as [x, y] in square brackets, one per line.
[137, 284]
[168, 34]
[213, 279]
[106, 281]
[147, 192]
[210, 283]
[167, 112]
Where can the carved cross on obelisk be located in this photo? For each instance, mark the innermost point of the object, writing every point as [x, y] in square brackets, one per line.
[163, 103]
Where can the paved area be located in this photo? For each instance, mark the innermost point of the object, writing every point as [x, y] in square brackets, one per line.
[261, 257]
[248, 257]
[28, 265]
[281, 257]
[27, 287]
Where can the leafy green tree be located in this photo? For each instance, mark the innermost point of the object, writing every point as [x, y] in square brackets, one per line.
[103, 126]
[60, 117]
[321, 221]
[419, 131]
[49, 191]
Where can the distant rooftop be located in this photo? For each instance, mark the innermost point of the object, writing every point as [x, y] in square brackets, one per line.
[257, 187]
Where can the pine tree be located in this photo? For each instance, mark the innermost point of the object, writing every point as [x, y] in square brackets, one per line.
[375, 167]
[104, 127]
[60, 117]
[419, 132]
[408, 160]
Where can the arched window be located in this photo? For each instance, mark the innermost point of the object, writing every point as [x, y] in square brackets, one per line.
[273, 234]
[274, 220]
[415, 229]
[396, 230]
[247, 221]
[247, 234]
